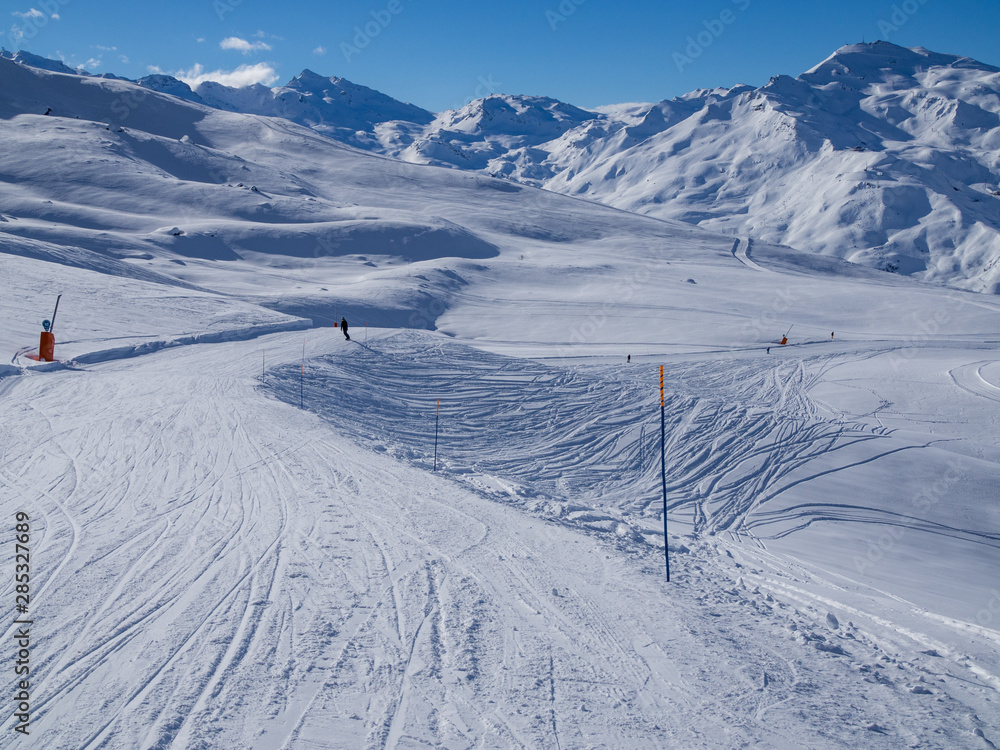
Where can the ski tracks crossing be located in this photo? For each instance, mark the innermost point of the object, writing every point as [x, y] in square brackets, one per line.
[232, 571]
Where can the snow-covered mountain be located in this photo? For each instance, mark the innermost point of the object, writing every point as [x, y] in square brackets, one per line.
[881, 155]
[330, 105]
[37, 61]
[483, 131]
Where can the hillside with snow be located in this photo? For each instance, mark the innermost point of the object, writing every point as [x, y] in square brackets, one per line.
[247, 531]
[880, 155]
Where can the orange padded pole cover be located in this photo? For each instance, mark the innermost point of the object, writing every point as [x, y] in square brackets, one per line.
[47, 347]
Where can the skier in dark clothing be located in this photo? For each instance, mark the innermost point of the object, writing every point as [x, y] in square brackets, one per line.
[343, 327]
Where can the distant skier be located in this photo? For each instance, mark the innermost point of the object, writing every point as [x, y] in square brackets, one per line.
[831, 335]
[343, 327]
[768, 350]
[628, 359]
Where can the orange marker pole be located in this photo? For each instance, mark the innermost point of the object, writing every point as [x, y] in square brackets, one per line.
[663, 472]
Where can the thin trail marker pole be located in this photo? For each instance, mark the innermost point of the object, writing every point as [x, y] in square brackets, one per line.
[52, 325]
[663, 472]
[263, 364]
[437, 421]
[302, 375]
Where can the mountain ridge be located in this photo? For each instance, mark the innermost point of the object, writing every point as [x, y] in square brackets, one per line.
[881, 155]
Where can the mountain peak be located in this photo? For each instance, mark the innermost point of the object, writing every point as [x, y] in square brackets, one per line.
[37, 61]
[309, 75]
[878, 59]
[169, 85]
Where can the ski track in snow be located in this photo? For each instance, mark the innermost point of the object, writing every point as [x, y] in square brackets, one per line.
[220, 569]
[741, 251]
[970, 378]
[571, 444]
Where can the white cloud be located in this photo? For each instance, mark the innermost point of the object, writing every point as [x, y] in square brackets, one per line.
[320, 50]
[242, 45]
[200, 39]
[245, 75]
[33, 13]
[55, 16]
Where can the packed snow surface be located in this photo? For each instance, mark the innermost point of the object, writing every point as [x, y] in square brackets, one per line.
[247, 531]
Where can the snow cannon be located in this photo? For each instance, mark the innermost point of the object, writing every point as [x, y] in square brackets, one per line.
[47, 344]
[784, 340]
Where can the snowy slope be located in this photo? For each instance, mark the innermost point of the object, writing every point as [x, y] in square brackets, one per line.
[330, 105]
[482, 131]
[239, 540]
[881, 155]
[37, 61]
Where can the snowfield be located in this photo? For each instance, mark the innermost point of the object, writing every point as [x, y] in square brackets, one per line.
[238, 535]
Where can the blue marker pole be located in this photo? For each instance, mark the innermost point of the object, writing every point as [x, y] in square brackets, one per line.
[663, 472]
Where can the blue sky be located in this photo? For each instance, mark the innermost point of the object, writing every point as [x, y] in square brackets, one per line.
[442, 54]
